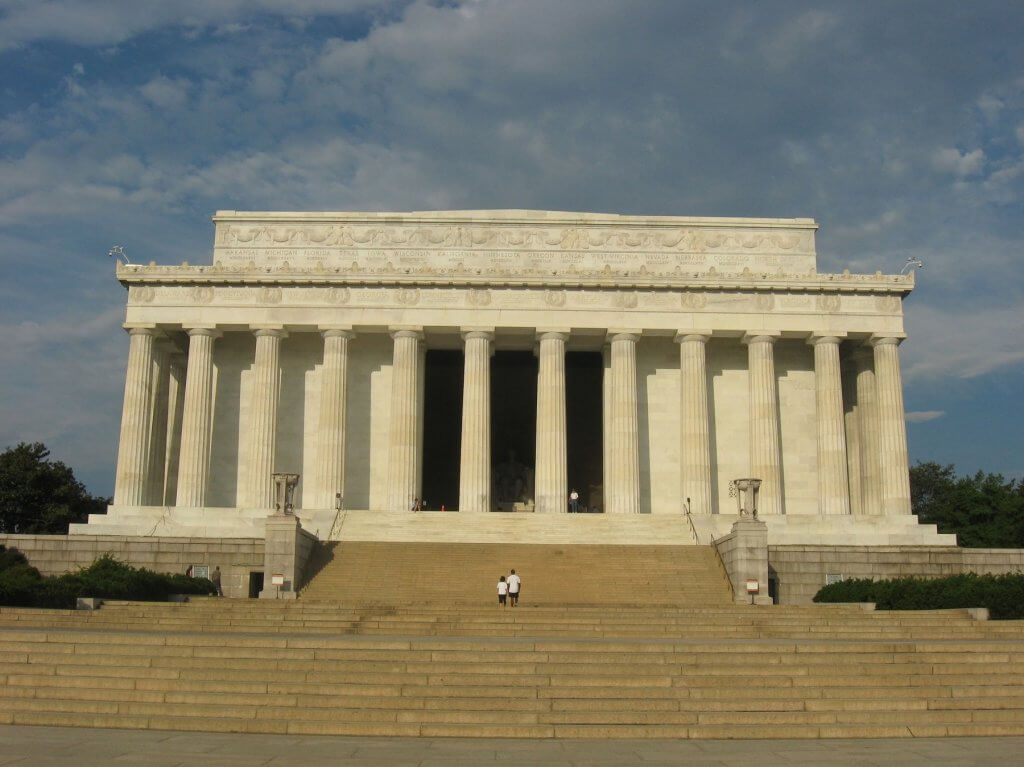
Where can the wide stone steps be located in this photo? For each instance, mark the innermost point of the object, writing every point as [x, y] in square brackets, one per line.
[502, 687]
[369, 572]
[317, 618]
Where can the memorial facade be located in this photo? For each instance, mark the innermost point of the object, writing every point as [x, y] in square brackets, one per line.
[490, 361]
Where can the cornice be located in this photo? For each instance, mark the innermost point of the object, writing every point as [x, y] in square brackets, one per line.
[134, 274]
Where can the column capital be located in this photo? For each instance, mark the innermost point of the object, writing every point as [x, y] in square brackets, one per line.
[473, 332]
[701, 335]
[337, 332]
[553, 333]
[623, 334]
[406, 331]
[140, 329]
[202, 330]
[761, 336]
[881, 339]
[275, 331]
[825, 338]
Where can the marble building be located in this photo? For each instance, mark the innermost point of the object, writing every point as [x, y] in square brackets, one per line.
[491, 361]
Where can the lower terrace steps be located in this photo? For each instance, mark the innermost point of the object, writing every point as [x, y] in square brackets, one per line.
[553, 574]
[319, 667]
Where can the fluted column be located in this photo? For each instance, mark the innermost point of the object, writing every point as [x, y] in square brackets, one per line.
[194, 457]
[551, 484]
[848, 364]
[403, 431]
[158, 427]
[833, 479]
[175, 408]
[606, 423]
[475, 460]
[867, 425]
[132, 451]
[262, 442]
[623, 455]
[330, 456]
[894, 485]
[695, 447]
[764, 421]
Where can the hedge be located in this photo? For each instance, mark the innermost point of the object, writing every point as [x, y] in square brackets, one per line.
[1003, 595]
[21, 585]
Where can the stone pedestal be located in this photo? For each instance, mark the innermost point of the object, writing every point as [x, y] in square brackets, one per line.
[281, 556]
[745, 555]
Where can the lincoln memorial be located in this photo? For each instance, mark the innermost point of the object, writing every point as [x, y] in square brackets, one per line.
[491, 362]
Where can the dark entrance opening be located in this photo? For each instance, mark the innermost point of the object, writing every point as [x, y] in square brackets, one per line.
[513, 421]
[584, 372]
[255, 584]
[442, 428]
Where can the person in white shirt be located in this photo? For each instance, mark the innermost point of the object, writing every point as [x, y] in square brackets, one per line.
[514, 585]
[574, 501]
[502, 590]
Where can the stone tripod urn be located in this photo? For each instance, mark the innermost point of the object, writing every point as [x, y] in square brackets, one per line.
[746, 491]
[284, 493]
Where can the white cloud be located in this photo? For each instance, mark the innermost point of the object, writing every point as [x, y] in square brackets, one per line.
[962, 343]
[165, 93]
[960, 164]
[923, 416]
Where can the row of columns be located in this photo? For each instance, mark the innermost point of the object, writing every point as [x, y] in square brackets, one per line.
[159, 396]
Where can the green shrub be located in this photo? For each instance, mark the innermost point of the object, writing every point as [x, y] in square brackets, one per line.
[21, 585]
[1003, 595]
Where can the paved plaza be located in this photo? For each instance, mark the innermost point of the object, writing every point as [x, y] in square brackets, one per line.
[83, 747]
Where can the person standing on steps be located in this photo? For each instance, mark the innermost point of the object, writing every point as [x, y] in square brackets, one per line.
[514, 584]
[574, 501]
[502, 591]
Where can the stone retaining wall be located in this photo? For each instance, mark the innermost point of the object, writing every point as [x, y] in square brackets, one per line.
[801, 570]
[58, 554]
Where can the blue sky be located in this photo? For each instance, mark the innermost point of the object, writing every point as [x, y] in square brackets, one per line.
[899, 127]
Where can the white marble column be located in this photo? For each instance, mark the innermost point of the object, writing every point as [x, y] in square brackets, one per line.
[606, 422]
[764, 421]
[330, 456]
[264, 393]
[848, 368]
[695, 439]
[404, 428]
[132, 451]
[894, 484]
[196, 423]
[475, 457]
[156, 475]
[175, 408]
[551, 484]
[833, 479]
[623, 495]
[867, 426]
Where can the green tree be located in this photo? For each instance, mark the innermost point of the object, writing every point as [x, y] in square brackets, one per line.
[985, 510]
[38, 495]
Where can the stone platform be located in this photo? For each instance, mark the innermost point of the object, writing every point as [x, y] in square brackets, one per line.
[456, 527]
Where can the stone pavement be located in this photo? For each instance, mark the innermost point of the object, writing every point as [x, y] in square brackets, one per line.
[82, 747]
